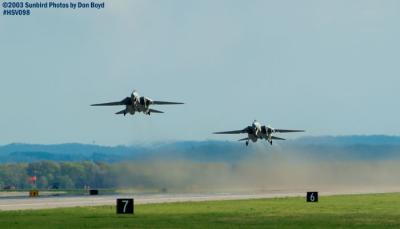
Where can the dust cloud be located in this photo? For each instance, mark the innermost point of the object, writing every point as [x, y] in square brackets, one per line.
[263, 172]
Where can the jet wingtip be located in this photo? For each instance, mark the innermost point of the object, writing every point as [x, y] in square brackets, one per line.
[218, 132]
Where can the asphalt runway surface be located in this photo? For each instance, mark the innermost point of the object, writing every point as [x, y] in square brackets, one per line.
[24, 203]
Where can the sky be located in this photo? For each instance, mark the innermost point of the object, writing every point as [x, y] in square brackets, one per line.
[329, 67]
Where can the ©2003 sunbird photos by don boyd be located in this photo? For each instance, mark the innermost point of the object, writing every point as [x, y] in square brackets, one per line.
[61, 5]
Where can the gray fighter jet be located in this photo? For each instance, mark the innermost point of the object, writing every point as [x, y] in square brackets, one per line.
[257, 131]
[136, 103]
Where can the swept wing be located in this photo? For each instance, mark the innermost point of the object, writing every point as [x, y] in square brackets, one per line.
[165, 103]
[126, 101]
[286, 131]
[244, 131]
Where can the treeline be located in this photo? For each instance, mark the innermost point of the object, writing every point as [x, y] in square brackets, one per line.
[78, 175]
[55, 175]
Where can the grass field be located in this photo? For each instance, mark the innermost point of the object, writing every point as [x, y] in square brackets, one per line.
[363, 211]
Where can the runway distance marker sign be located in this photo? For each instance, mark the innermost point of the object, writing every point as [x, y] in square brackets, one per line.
[312, 197]
[93, 192]
[125, 206]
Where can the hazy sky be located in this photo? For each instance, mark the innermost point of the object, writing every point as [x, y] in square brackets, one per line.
[330, 67]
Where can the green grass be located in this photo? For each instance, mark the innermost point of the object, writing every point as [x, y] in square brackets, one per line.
[362, 211]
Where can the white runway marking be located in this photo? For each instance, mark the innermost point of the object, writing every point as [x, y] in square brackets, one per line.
[7, 204]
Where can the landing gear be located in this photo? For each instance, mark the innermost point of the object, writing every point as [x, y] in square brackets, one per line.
[270, 142]
[124, 113]
[247, 143]
[148, 112]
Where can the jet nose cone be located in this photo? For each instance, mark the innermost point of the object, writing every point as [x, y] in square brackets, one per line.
[135, 93]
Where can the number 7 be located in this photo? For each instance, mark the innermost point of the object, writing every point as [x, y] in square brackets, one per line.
[126, 204]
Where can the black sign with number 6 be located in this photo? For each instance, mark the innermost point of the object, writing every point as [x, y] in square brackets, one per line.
[124, 206]
[312, 196]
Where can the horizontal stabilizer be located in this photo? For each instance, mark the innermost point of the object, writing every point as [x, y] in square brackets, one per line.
[277, 138]
[121, 112]
[155, 111]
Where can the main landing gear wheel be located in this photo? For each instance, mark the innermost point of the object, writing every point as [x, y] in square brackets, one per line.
[247, 143]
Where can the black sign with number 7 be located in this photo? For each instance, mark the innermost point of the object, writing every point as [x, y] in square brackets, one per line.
[124, 206]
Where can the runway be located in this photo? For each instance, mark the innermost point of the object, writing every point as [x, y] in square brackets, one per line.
[18, 203]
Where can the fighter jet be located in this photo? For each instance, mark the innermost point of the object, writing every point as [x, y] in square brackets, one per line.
[137, 103]
[257, 131]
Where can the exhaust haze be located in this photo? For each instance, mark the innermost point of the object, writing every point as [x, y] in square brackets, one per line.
[264, 171]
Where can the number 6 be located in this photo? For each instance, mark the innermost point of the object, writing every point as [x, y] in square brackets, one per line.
[312, 198]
